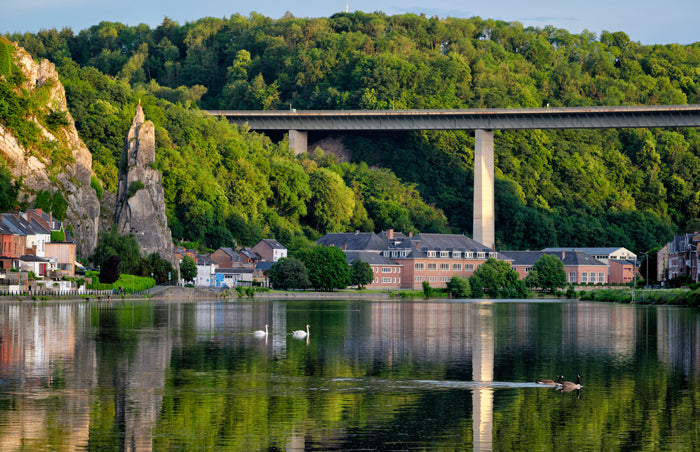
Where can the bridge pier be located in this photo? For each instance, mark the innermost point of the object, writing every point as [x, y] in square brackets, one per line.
[298, 141]
[484, 217]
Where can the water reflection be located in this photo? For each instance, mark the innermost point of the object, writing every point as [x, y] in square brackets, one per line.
[375, 375]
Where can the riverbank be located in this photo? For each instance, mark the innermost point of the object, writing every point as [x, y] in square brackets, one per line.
[673, 297]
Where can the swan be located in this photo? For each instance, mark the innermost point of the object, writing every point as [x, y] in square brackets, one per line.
[261, 333]
[551, 382]
[569, 386]
[301, 334]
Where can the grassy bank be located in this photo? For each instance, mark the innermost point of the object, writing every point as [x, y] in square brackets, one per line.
[675, 297]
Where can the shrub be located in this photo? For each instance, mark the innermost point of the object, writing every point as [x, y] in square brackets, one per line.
[134, 187]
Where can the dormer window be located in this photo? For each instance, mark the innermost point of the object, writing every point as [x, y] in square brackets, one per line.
[444, 254]
[456, 254]
[480, 255]
[431, 253]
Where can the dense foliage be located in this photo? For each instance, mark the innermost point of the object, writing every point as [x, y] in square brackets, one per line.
[547, 273]
[629, 188]
[289, 273]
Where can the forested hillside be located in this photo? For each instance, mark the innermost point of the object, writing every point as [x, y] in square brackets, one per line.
[631, 188]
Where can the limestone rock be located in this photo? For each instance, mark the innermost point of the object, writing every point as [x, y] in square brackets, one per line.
[140, 205]
[73, 181]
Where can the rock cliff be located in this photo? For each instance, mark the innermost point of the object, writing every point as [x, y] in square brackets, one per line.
[38, 172]
[140, 205]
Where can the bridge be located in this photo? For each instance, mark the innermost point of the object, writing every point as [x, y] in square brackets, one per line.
[482, 121]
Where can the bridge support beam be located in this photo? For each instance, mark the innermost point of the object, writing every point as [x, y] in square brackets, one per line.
[484, 216]
[298, 141]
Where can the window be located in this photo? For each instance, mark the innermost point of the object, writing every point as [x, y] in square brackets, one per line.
[431, 253]
[456, 254]
[601, 277]
[480, 255]
[592, 277]
[469, 254]
[456, 266]
[444, 267]
[444, 278]
[419, 278]
[432, 267]
[386, 280]
[386, 269]
[432, 278]
[469, 267]
[444, 254]
[419, 266]
[572, 277]
[584, 277]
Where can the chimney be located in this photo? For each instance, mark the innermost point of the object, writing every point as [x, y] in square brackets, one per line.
[410, 234]
[357, 231]
[563, 255]
[345, 246]
[38, 210]
[390, 233]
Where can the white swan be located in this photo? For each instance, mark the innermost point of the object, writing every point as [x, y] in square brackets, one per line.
[301, 334]
[261, 333]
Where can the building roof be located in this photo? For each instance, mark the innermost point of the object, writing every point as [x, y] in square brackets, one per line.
[32, 258]
[249, 253]
[233, 271]
[577, 258]
[264, 265]
[203, 259]
[370, 257]
[448, 242]
[593, 251]
[353, 241]
[524, 258]
[274, 244]
[235, 257]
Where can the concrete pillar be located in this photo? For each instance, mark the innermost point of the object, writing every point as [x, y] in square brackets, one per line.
[298, 141]
[484, 216]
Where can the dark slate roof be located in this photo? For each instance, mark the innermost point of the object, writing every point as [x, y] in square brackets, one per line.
[264, 265]
[398, 236]
[235, 257]
[39, 228]
[247, 252]
[14, 225]
[32, 258]
[353, 241]
[577, 258]
[203, 259]
[588, 250]
[369, 257]
[623, 262]
[448, 242]
[524, 258]
[274, 244]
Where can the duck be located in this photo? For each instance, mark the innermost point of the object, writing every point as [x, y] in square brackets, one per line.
[301, 334]
[551, 382]
[261, 333]
[570, 386]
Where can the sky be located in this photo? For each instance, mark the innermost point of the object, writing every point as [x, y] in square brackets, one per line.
[644, 21]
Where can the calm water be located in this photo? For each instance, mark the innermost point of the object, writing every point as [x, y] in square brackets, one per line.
[371, 376]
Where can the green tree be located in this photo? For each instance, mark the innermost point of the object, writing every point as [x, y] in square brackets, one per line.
[427, 290]
[112, 243]
[289, 273]
[547, 273]
[332, 203]
[361, 273]
[9, 189]
[497, 278]
[328, 269]
[161, 269]
[188, 269]
[459, 287]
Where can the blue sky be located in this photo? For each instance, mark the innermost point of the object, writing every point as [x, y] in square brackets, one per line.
[645, 21]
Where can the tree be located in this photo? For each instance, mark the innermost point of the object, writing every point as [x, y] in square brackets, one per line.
[161, 269]
[111, 270]
[459, 287]
[361, 273]
[327, 267]
[427, 290]
[188, 268]
[9, 189]
[547, 273]
[497, 278]
[289, 273]
[111, 243]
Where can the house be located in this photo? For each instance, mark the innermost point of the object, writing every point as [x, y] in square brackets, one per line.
[16, 239]
[226, 258]
[65, 254]
[436, 258]
[621, 271]
[39, 265]
[579, 267]
[233, 277]
[262, 272]
[248, 256]
[206, 270]
[523, 261]
[270, 250]
[387, 273]
[682, 259]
